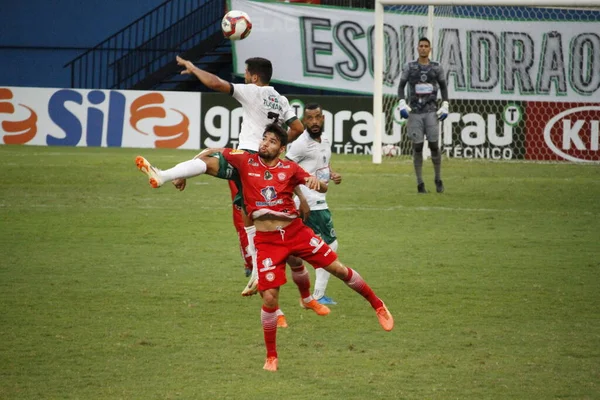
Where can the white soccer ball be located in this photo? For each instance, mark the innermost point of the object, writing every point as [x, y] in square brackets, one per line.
[390, 150]
[236, 25]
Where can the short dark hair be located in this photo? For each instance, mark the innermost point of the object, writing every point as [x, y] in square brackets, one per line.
[261, 67]
[313, 106]
[278, 131]
[424, 39]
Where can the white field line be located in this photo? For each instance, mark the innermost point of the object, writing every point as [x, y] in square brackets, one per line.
[336, 209]
[338, 159]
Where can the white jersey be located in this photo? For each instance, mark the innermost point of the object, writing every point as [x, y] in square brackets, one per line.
[314, 157]
[261, 105]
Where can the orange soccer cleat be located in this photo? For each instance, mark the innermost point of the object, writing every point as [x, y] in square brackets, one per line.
[314, 305]
[385, 318]
[144, 166]
[281, 322]
[271, 364]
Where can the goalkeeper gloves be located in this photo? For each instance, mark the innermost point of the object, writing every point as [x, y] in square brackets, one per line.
[442, 113]
[404, 109]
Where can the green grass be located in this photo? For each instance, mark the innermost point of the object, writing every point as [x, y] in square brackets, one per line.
[112, 290]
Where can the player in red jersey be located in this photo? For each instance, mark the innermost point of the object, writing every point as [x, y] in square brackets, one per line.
[268, 184]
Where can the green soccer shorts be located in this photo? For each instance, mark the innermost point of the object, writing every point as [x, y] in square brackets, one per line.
[321, 222]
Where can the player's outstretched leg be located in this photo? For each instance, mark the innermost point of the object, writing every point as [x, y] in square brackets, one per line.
[183, 170]
[355, 282]
[153, 173]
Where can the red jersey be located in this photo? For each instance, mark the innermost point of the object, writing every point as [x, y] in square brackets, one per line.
[267, 190]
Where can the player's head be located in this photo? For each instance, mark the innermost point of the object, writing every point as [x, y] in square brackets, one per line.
[273, 142]
[258, 71]
[313, 119]
[424, 47]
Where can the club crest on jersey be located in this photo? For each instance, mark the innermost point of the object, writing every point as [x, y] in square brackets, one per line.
[423, 77]
[268, 176]
[269, 193]
[267, 265]
[281, 176]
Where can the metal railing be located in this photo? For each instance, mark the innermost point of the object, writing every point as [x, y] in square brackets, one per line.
[147, 44]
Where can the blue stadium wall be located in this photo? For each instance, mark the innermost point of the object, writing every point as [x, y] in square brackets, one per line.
[38, 37]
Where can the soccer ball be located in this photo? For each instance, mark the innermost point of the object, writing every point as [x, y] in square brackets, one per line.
[236, 25]
[390, 150]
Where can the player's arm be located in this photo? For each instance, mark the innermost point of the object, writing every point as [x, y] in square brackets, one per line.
[334, 176]
[295, 129]
[442, 113]
[301, 177]
[313, 183]
[303, 208]
[209, 80]
[402, 106]
[403, 82]
[442, 83]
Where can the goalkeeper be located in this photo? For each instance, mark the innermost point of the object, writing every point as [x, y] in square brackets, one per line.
[424, 77]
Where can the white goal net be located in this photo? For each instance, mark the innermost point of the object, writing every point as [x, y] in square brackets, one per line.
[524, 82]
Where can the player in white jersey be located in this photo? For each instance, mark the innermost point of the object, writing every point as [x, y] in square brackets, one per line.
[313, 152]
[261, 105]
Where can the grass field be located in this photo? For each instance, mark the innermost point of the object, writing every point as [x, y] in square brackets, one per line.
[112, 290]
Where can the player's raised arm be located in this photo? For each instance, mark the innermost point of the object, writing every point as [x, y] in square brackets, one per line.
[209, 80]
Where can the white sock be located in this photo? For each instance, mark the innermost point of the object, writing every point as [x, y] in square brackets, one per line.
[322, 277]
[186, 169]
[250, 233]
[279, 312]
[321, 280]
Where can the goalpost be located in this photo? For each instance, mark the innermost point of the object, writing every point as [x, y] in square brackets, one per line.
[523, 75]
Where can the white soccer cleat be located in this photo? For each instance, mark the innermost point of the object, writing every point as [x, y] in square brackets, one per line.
[144, 166]
[252, 287]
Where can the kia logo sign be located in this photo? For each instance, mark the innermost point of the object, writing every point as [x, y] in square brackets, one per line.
[573, 133]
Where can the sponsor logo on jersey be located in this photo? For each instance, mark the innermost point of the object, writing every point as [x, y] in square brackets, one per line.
[252, 162]
[268, 176]
[281, 176]
[272, 103]
[253, 174]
